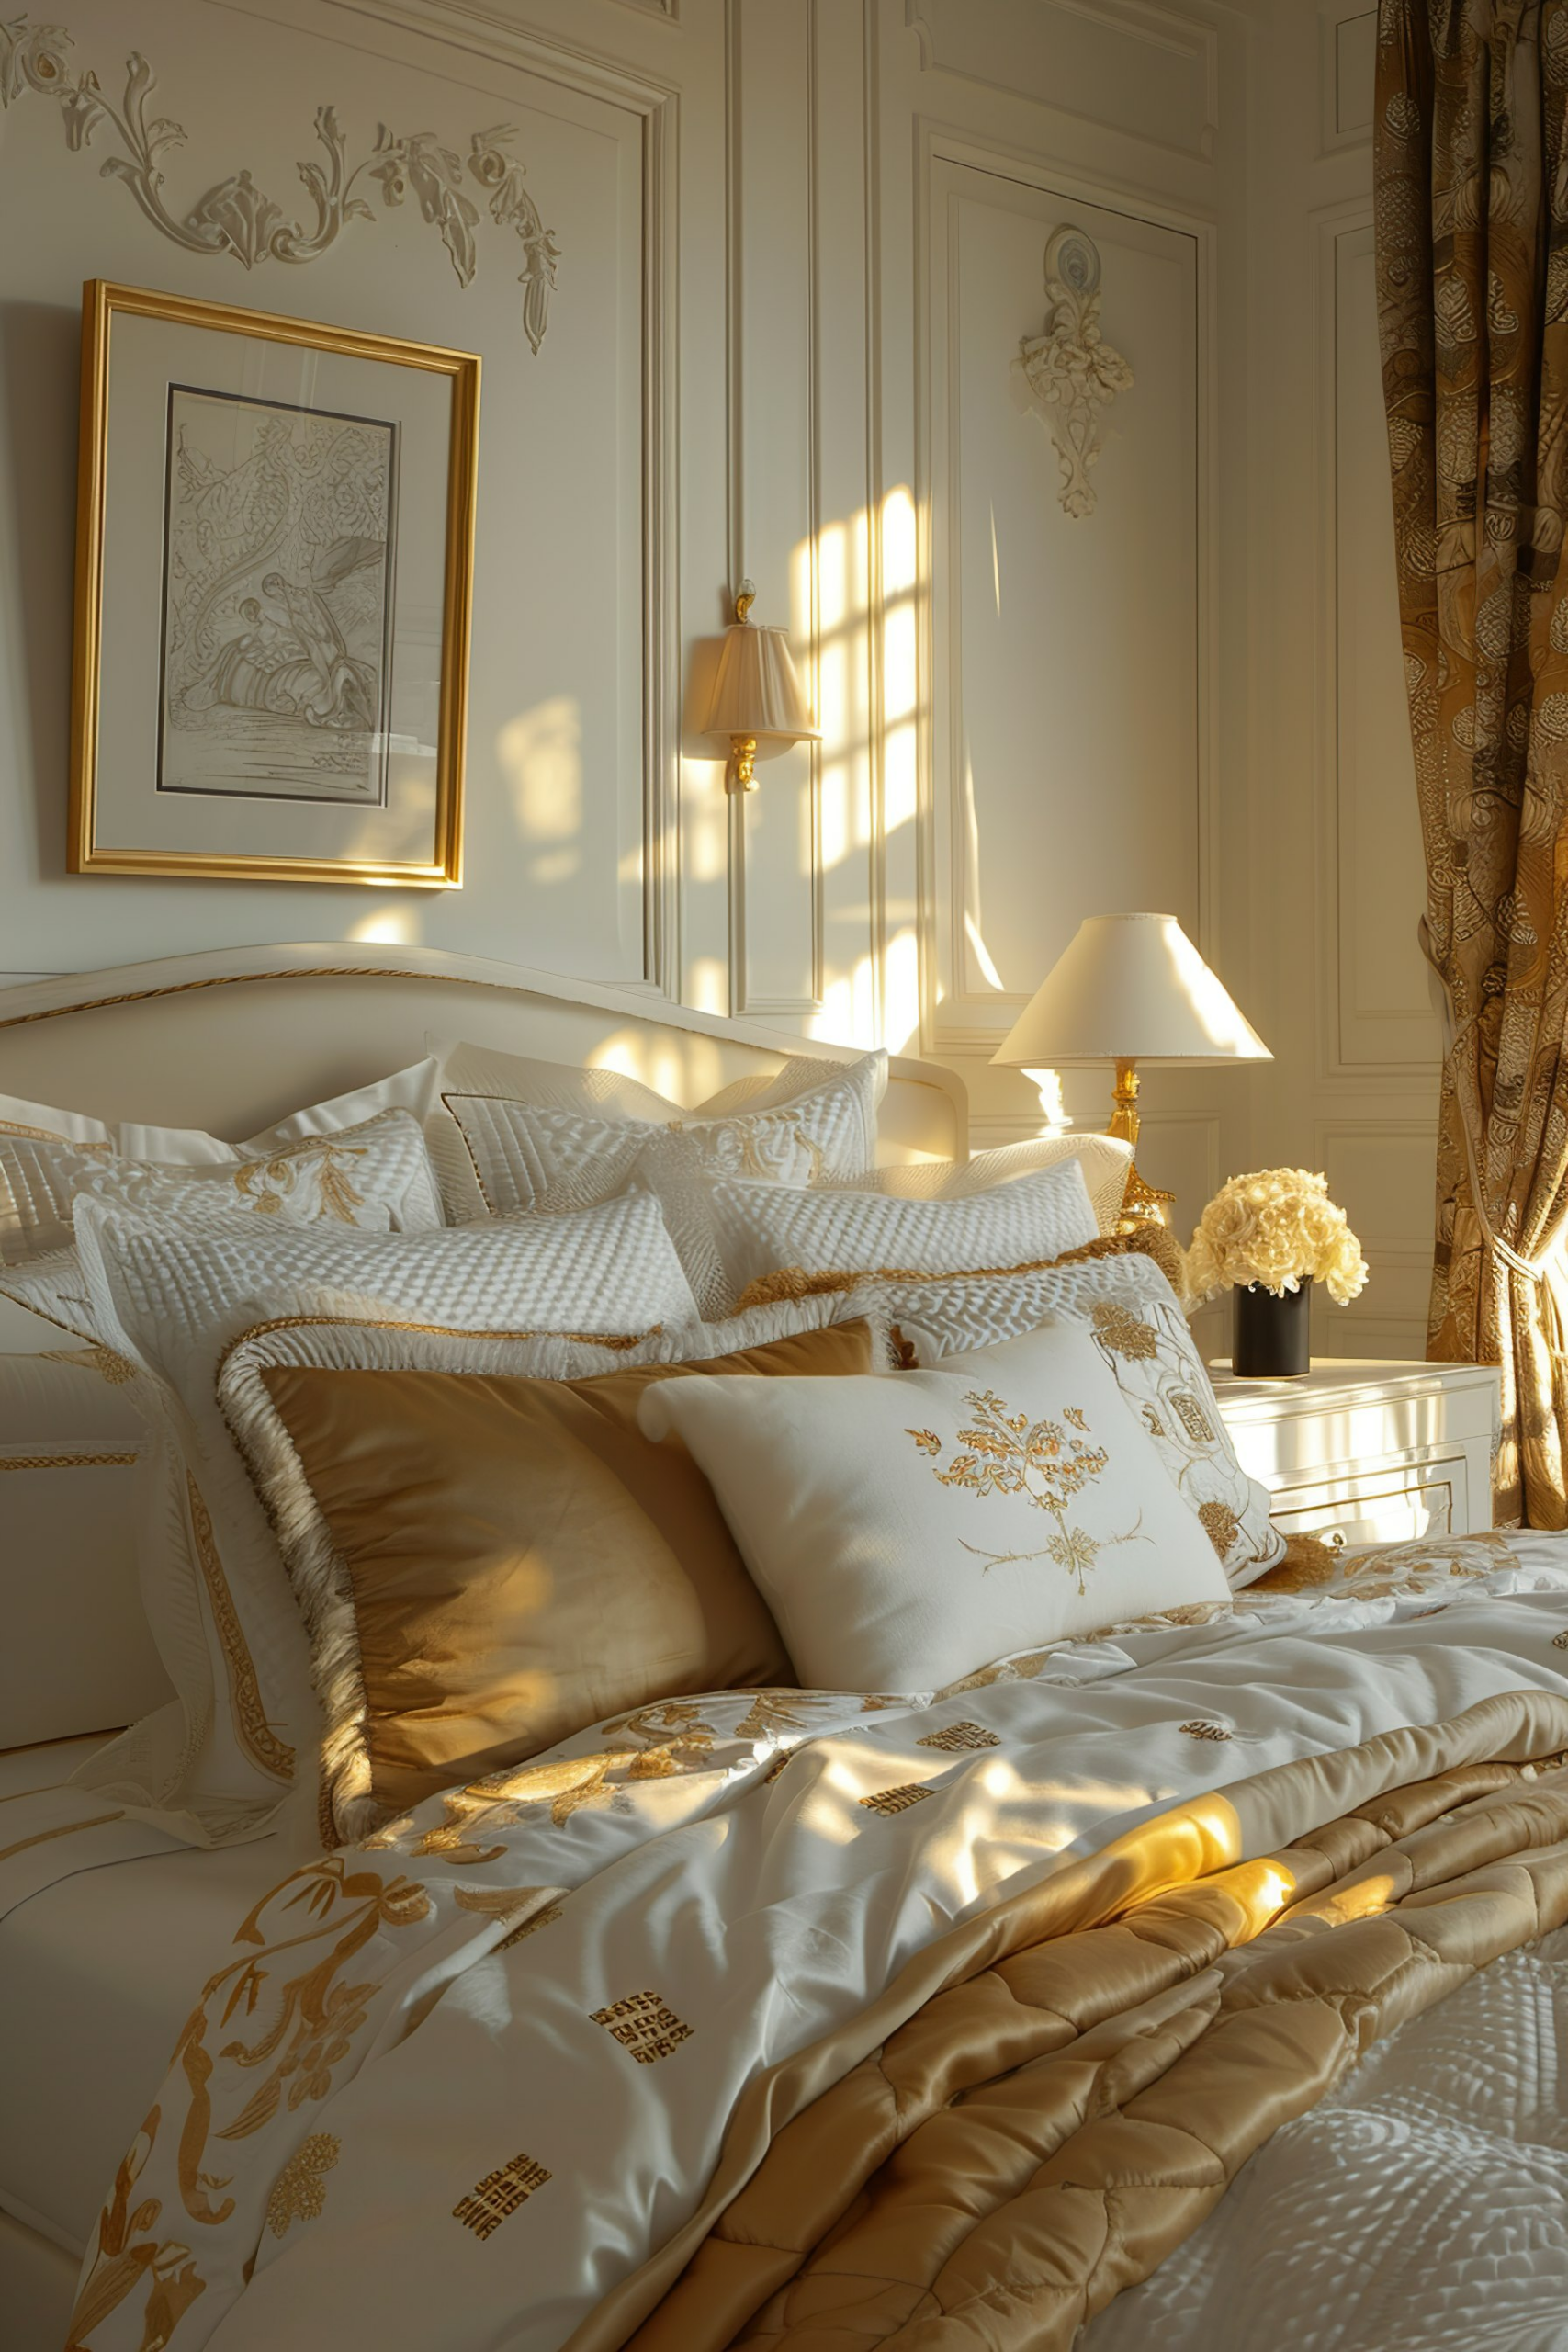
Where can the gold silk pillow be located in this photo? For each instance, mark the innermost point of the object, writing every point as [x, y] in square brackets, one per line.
[490, 1561]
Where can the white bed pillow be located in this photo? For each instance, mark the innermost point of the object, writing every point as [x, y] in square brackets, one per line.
[537, 1138]
[1105, 1160]
[76, 1654]
[359, 1159]
[762, 1228]
[175, 1297]
[1138, 1326]
[906, 1529]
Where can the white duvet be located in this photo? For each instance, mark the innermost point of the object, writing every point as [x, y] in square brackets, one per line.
[458, 2086]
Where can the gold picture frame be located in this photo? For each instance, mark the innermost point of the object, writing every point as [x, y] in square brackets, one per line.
[268, 524]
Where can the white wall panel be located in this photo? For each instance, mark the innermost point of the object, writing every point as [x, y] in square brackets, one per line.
[1130, 64]
[773, 295]
[1065, 751]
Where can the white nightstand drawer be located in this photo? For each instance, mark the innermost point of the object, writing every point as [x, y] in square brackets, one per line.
[1380, 1508]
[1370, 1453]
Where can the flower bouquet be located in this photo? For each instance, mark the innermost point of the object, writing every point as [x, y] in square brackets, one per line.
[1268, 1237]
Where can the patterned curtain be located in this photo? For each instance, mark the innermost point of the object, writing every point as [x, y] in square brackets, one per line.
[1471, 212]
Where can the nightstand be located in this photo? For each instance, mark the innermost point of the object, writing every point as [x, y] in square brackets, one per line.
[1368, 1453]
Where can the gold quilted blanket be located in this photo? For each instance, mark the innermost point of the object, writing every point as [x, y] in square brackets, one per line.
[1102, 2054]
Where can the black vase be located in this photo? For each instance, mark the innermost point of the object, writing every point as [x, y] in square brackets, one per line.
[1272, 1337]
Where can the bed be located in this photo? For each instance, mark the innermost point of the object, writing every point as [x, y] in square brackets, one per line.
[1117, 1983]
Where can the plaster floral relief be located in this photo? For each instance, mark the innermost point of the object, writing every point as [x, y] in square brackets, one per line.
[1072, 373]
[235, 216]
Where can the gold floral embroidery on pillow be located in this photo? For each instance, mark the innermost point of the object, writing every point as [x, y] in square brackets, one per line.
[1044, 1463]
[266, 1184]
[1121, 1332]
[1220, 1524]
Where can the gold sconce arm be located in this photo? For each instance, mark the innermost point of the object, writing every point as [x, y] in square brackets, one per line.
[742, 776]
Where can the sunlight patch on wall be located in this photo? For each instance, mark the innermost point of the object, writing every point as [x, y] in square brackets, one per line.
[389, 927]
[901, 991]
[710, 986]
[540, 754]
[859, 580]
[705, 822]
[1047, 1084]
[981, 953]
[684, 1070]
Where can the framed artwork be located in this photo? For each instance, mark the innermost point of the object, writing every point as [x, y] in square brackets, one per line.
[274, 580]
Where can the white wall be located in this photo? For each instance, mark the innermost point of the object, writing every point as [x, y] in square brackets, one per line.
[800, 243]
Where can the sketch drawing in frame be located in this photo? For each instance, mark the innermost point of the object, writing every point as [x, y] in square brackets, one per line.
[274, 583]
[278, 530]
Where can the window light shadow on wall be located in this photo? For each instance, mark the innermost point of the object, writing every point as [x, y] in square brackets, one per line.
[389, 927]
[857, 583]
[540, 757]
[682, 1068]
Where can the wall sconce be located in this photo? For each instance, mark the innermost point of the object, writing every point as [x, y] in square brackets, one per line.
[755, 693]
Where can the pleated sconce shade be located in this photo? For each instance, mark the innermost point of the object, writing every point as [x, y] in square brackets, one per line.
[756, 691]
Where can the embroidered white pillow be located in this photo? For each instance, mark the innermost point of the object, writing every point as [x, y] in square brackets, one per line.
[764, 1227]
[1105, 1160]
[173, 1296]
[359, 1159]
[809, 1123]
[906, 1529]
[1138, 1324]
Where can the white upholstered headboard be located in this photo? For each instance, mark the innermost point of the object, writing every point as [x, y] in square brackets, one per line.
[234, 1040]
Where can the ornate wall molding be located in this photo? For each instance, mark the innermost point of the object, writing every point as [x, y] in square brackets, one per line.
[236, 217]
[1072, 374]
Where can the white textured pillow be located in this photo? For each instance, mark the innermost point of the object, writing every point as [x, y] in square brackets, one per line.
[174, 1297]
[809, 1123]
[1105, 1160]
[359, 1159]
[764, 1227]
[906, 1530]
[1143, 1335]
[76, 1655]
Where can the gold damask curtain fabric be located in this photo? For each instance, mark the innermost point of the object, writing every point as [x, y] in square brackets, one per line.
[1471, 214]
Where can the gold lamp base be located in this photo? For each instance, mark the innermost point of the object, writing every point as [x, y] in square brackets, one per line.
[1142, 1203]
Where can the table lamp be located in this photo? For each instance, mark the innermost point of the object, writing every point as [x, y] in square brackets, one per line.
[755, 693]
[1130, 989]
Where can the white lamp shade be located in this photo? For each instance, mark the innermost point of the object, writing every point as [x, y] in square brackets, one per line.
[1130, 987]
[755, 690]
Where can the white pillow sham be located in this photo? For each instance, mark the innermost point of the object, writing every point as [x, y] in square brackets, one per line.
[32, 1214]
[764, 1227]
[376, 1178]
[1105, 1160]
[174, 1297]
[535, 1137]
[906, 1529]
[1139, 1328]
[359, 1159]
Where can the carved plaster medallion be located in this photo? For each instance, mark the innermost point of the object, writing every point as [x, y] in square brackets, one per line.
[1072, 374]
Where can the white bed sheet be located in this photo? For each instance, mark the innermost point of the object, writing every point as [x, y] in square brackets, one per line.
[97, 1974]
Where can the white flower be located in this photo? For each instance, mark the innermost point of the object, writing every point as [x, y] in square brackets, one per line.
[1278, 1227]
